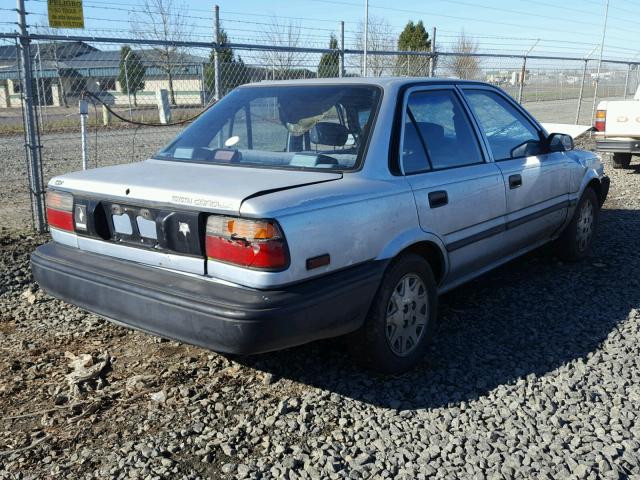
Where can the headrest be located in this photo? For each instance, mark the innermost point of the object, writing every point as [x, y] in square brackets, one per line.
[432, 131]
[327, 133]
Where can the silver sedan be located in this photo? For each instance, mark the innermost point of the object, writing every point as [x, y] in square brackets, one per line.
[300, 210]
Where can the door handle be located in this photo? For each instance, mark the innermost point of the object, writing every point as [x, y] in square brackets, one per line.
[438, 198]
[515, 181]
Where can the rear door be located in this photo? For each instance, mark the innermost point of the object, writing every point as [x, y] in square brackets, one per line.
[536, 181]
[459, 196]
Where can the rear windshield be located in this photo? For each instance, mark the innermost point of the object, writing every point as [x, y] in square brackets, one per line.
[317, 127]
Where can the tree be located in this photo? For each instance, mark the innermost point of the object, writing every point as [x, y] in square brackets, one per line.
[329, 65]
[165, 21]
[463, 64]
[232, 70]
[413, 38]
[132, 72]
[379, 37]
[279, 34]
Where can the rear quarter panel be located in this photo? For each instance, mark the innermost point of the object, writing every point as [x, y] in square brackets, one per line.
[354, 220]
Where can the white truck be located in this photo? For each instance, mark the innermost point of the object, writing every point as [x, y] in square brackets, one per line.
[617, 126]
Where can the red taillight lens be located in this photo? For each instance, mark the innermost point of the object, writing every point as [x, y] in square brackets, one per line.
[247, 243]
[60, 210]
[601, 120]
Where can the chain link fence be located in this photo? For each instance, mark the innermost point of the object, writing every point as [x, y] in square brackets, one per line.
[141, 93]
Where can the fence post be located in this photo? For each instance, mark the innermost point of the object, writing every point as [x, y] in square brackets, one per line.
[203, 85]
[626, 81]
[341, 72]
[216, 53]
[33, 142]
[523, 72]
[83, 105]
[584, 76]
[432, 58]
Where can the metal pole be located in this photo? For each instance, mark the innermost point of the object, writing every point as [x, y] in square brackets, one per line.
[216, 52]
[366, 37]
[203, 85]
[84, 113]
[604, 32]
[523, 73]
[432, 59]
[33, 147]
[626, 81]
[41, 91]
[584, 76]
[341, 72]
[126, 78]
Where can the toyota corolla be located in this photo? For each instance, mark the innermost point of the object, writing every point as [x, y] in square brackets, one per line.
[300, 210]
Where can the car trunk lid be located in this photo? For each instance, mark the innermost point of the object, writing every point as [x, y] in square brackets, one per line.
[193, 186]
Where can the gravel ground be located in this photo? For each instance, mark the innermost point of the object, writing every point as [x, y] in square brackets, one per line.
[535, 374]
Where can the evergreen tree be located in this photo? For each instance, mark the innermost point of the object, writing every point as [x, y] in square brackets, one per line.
[413, 38]
[233, 71]
[132, 72]
[329, 65]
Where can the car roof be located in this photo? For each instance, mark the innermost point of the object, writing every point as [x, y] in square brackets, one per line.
[384, 82]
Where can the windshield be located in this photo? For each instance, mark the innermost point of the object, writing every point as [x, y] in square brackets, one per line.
[318, 127]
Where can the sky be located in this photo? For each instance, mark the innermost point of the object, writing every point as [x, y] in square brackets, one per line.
[570, 28]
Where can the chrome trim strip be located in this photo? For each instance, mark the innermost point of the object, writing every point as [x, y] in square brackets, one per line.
[170, 261]
[476, 237]
[65, 238]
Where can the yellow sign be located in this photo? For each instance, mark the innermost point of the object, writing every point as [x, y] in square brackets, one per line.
[65, 13]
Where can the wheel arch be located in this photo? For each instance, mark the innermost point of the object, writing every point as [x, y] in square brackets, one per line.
[433, 255]
[596, 185]
[426, 244]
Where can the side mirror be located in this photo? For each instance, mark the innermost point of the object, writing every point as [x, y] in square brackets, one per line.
[560, 142]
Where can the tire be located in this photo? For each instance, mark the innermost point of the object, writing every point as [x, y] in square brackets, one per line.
[575, 242]
[379, 343]
[621, 160]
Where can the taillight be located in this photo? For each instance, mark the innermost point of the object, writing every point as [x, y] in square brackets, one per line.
[60, 210]
[601, 120]
[247, 243]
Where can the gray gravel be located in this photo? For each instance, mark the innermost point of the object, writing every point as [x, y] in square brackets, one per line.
[535, 374]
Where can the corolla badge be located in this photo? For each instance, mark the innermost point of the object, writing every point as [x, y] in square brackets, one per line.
[184, 229]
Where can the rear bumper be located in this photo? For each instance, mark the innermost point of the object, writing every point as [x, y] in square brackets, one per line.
[618, 146]
[220, 317]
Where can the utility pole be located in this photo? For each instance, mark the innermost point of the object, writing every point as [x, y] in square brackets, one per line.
[366, 37]
[604, 32]
[32, 146]
[432, 59]
[216, 52]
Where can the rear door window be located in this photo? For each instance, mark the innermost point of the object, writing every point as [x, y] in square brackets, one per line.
[437, 133]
